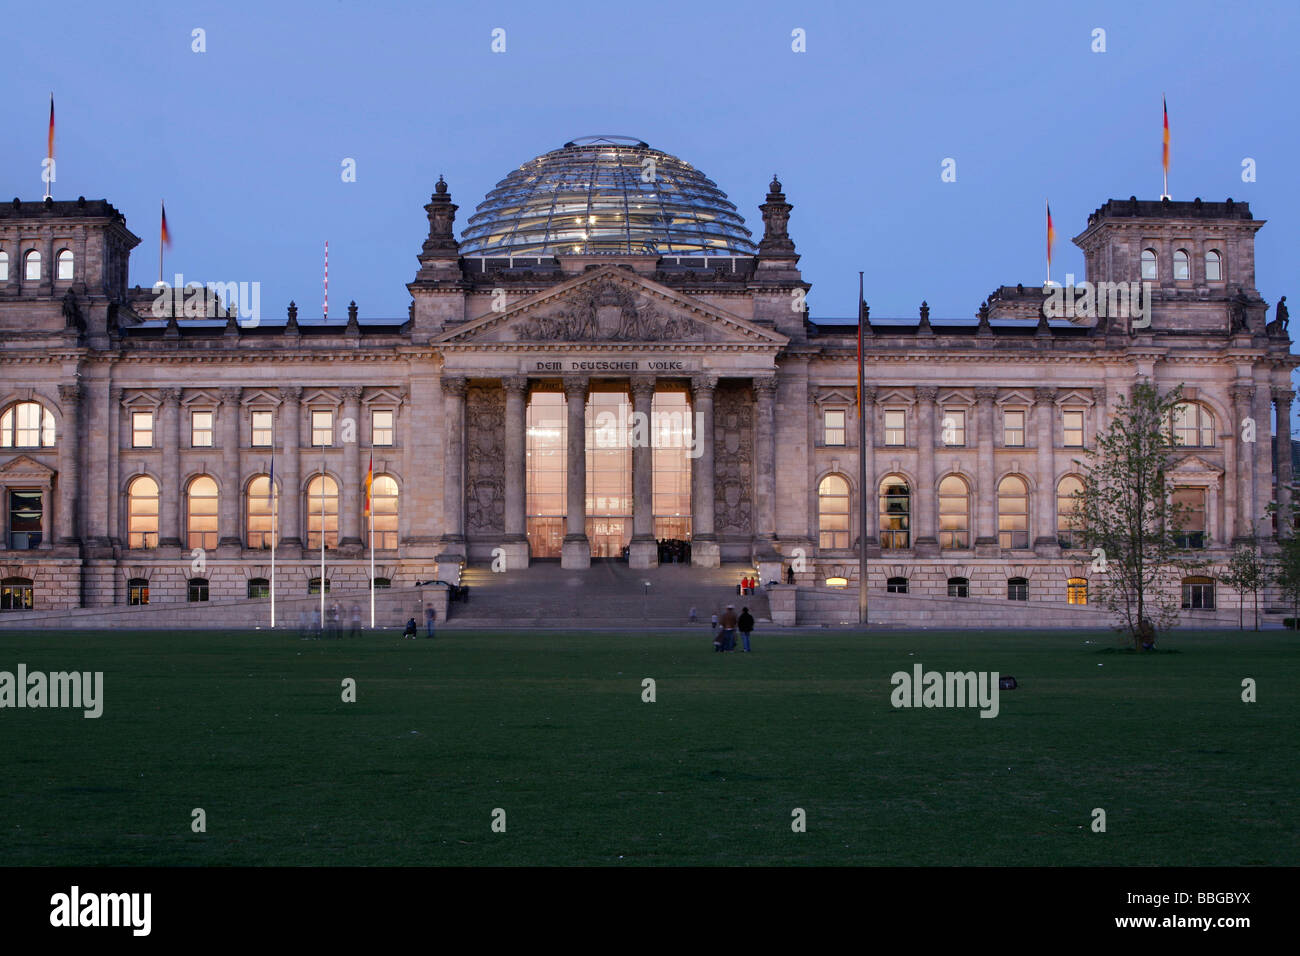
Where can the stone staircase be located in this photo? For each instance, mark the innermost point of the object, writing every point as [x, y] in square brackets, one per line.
[607, 595]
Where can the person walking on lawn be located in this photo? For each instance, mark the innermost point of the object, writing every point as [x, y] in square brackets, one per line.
[746, 624]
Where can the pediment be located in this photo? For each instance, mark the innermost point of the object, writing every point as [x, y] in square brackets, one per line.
[1194, 465]
[22, 468]
[610, 305]
[836, 396]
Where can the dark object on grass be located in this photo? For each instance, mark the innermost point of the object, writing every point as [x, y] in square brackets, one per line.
[1007, 683]
[1146, 634]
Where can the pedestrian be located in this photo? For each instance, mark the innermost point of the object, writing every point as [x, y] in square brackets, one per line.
[336, 625]
[356, 621]
[714, 623]
[315, 622]
[746, 624]
[410, 629]
[430, 615]
[728, 624]
[303, 623]
[789, 574]
[693, 617]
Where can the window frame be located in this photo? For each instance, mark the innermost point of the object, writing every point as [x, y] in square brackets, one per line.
[899, 431]
[137, 592]
[1074, 587]
[136, 430]
[196, 431]
[17, 585]
[1007, 430]
[1066, 429]
[828, 429]
[254, 428]
[959, 587]
[131, 514]
[1012, 532]
[959, 429]
[892, 585]
[960, 537]
[10, 535]
[1150, 258]
[376, 429]
[197, 590]
[317, 430]
[889, 537]
[1196, 589]
[61, 257]
[12, 426]
[1185, 262]
[836, 535]
[1218, 264]
[1017, 589]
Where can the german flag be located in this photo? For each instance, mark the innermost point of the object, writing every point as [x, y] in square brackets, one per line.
[1051, 237]
[164, 235]
[1165, 160]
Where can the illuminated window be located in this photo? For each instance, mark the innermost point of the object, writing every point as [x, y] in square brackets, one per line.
[1181, 267]
[1017, 589]
[896, 586]
[1191, 505]
[609, 473]
[1213, 266]
[1193, 425]
[64, 264]
[263, 429]
[259, 514]
[25, 519]
[546, 472]
[1198, 594]
[834, 426]
[322, 428]
[958, 587]
[142, 429]
[954, 513]
[833, 512]
[259, 588]
[142, 513]
[383, 512]
[33, 271]
[4, 267]
[313, 586]
[26, 425]
[200, 429]
[1149, 268]
[322, 512]
[381, 427]
[16, 594]
[1072, 428]
[1076, 591]
[1013, 428]
[895, 427]
[954, 427]
[672, 434]
[137, 591]
[1013, 513]
[837, 582]
[201, 513]
[895, 514]
[1068, 518]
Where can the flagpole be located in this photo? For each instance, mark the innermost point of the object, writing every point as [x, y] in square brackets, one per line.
[862, 477]
[322, 538]
[372, 569]
[49, 172]
[1048, 204]
[162, 209]
[274, 533]
[1165, 149]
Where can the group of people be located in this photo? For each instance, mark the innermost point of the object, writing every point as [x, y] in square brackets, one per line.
[724, 629]
[674, 551]
[309, 626]
[430, 616]
[746, 586]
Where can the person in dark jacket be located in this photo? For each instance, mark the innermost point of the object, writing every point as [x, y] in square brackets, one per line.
[728, 626]
[746, 624]
[410, 629]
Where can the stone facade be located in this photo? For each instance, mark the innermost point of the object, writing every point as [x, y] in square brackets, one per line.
[438, 402]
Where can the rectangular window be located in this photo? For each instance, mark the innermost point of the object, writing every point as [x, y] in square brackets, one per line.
[197, 590]
[263, 429]
[954, 427]
[322, 428]
[1072, 428]
[1013, 428]
[16, 594]
[381, 427]
[835, 428]
[895, 427]
[1190, 503]
[24, 520]
[1198, 597]
[200, 429]
[142, 429]
[137, 592]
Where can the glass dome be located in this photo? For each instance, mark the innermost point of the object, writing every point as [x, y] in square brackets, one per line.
[606, 194]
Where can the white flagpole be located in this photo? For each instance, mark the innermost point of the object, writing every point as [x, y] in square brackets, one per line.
[372, 565]
[322, 539]
[274, 532]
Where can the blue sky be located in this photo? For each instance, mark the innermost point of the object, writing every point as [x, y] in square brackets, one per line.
[245, 140]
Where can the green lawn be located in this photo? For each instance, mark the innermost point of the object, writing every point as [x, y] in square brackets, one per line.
[551, 727]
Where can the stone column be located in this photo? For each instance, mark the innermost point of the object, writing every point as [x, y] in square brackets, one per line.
[169, 499]
[925, 501]
[231, 485]
[65, 535]
[288, 428]
[575, 552]
[351, 502]
[868, 500]
[1282, 398]
[704, 543]
[1244, 474]
[1045, 543]
[516, 525]
[1263, 454]
[765, 477]
[985, 495]
[453, 479]
[643, 551]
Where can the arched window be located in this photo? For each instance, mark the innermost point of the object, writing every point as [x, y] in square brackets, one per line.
[1068, 519]
[1182, 269]
[1198, 594]
[27, 425]
[896, 586]
[1017, 589]
[323, 513]
[1076, 591]
[142, 514]
[1013, 513]
[383, 512]
[64, 263]
[895, 514]
[201, 513]
[1193, 425]
[4, 267]
[33, 263]
[259, 588]
[261, 520]
[833, 512]
[1149, 270]
[1213, 266]
[958, 587]
[16, 594]
[197, 590]
[954, 513]
[137, 591]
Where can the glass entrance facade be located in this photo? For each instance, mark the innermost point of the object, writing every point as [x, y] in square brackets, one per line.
[609, 473]
[546, 473]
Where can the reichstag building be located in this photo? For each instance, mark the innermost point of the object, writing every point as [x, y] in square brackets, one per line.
[606, 365]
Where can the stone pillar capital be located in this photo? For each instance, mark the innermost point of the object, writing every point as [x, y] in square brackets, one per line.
[230, 396]
[642, 387]
[351, 393]
[703, 384]
[575, 386]
[70, 394]
[927, 393]
[1242, 393]
[291, 394]
[170, 396]
[986, 395]
[765, 386]
[515, 384]
[869, 394]
[1045, 394]
[454, 385]
[1283, 395]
